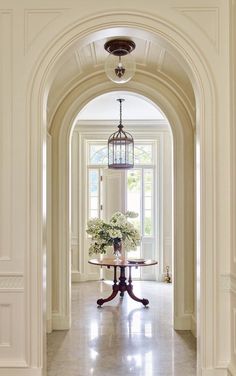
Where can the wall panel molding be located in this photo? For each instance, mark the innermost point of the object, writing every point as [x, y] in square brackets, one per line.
[36, 20]
[6, 75]
[6, 327]
[207, 21]
[12, 326]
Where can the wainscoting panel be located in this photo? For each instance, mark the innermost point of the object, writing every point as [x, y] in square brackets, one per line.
[12, 326]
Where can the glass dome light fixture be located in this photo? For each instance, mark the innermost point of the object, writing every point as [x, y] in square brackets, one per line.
[120, 64]
[120, 147]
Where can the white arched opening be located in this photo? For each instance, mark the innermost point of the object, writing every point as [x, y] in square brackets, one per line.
[182, 130]
[193, 62]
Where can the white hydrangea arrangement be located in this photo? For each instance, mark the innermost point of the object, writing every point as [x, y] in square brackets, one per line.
[118, 229]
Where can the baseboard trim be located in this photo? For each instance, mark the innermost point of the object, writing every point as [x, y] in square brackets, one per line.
[49, 325]
[232, 369]
[81, 277]
[215, 372]
[21, 371]
[183, 322]
[194, 326]
[60, 322]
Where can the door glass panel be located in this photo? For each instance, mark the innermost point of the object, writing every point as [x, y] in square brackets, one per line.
[134, 196]
[93, 193]
[94, 203]
[148, 202]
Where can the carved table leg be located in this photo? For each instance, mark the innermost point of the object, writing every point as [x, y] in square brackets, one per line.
[122, 287]
[115, 289]
[129, 289]
[122, 284]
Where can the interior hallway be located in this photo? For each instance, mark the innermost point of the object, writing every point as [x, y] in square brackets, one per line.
[122, 337]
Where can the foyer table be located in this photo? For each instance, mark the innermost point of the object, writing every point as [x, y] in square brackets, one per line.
[122, 286]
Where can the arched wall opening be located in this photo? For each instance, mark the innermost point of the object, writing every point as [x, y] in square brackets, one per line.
[38, 98]
[183, 191]
[153, 154]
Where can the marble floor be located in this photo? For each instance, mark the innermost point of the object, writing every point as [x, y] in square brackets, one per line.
[122, 337]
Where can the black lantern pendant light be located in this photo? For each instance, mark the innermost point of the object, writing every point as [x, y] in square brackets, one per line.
[121, 147]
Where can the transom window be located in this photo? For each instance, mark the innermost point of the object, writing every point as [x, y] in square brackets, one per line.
[98, 154]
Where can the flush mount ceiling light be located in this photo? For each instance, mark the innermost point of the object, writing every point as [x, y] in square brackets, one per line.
[120, 64]
[120, 147]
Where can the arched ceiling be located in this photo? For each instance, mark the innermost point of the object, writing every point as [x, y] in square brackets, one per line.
[151, 57]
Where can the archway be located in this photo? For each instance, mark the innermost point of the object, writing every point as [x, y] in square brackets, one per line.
[202, 86]
[183, 193]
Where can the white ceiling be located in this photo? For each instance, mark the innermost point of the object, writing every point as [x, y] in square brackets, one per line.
[106, 107]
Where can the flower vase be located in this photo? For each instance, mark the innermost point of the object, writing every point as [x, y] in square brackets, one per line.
[117, 250]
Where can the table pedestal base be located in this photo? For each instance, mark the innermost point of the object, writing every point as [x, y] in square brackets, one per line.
[122, 287]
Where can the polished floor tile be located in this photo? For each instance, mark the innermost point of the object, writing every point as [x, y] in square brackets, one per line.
[122, 337]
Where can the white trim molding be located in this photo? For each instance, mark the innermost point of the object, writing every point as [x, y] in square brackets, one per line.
[17, 370]
[82, 277]
[183, 322]
[194, 326]
[11, 282]
[232, 369]
[216, 372]
[60, 322]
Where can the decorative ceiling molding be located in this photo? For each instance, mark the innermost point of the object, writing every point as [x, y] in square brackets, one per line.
[145, 54]
[206, 19]
[78, 61]
[36, 20]
[93, 54]
[161, 59]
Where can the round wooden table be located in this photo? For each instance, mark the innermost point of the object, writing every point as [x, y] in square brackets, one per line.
[122, 286]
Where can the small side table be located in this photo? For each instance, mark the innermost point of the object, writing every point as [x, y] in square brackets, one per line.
[122, 286]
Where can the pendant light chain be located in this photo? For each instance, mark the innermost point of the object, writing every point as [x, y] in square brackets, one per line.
[120, 100]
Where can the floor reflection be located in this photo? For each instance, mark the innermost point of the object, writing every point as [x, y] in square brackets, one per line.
[122, 337]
